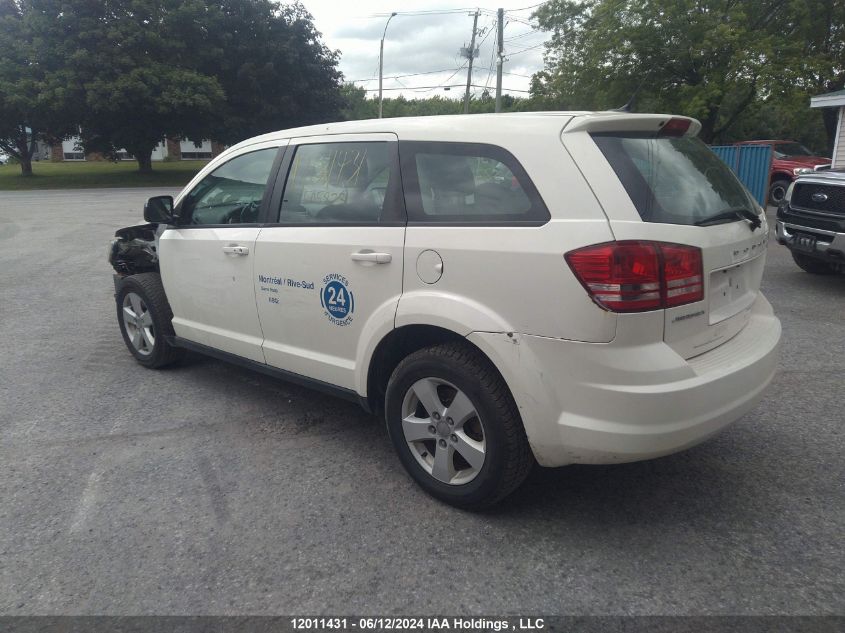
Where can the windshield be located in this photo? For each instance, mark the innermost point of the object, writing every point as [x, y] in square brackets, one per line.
[673, 180]
[791, 149]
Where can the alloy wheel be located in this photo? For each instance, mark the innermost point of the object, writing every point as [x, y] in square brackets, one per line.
[138, 323]
[444, 431]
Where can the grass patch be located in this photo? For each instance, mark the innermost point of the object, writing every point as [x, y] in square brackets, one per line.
[81, 175]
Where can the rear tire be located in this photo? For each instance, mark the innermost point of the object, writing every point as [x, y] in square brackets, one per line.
[478, 452]
[812, 265]
[145, 320]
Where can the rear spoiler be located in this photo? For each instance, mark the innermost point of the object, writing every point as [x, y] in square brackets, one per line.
[626, 123]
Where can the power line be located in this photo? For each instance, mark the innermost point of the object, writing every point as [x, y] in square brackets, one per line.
[428, 72]
[508, 89]
[487, 34]
[505, 72]
[533, 6]
[424, 88]
[414, 88]
[525, 34]
[423, 12]
[517, 74]
[525, 50]
[459, 69]
[490, 69]
[533, 25]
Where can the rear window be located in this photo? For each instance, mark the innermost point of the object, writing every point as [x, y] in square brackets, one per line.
[673, 180]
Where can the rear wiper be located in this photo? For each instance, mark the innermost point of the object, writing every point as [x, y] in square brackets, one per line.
[743, 213]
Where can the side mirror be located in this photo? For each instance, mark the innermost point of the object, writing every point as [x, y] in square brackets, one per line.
[159, 210]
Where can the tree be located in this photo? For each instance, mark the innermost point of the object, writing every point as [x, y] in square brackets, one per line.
[704, 58]
[814, 44]
[127, 58]
[185, 68]
[274, 69]
[358, 106]
[782, 114]
[36, 99]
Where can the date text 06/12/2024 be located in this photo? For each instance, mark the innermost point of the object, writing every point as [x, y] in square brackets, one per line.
[416, 624]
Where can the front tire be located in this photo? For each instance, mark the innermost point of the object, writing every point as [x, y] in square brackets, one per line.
[777, 191]
[812, 265]
[145, 319]
[455, 426]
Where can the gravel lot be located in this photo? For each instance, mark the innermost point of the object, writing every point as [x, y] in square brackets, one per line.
[209, 489]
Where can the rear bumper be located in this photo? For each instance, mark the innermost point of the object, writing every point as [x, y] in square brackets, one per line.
[830, 245]
[620, 402]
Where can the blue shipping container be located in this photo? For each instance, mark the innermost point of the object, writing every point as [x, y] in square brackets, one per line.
[751, 164]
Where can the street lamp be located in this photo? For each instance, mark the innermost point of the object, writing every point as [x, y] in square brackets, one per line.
[381, 61]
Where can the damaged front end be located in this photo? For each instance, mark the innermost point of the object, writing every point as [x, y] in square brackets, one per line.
[133, 250]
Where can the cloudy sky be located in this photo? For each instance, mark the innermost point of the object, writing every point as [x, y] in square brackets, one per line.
[422, 44]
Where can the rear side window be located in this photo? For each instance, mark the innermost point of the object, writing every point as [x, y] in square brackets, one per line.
[467, 183]
[673, 180]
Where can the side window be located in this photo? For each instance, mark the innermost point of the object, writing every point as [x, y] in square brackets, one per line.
[232, 193]
[467, 183]
[338, 183]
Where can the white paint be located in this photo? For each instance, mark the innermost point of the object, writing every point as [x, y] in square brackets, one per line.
[91, 492]
[188, 146]
[839, 142]
[88, 499]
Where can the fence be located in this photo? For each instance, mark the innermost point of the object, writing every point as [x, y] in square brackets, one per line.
[751, 164]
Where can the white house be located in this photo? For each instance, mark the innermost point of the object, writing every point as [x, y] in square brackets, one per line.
[186, 149]
[834, 100]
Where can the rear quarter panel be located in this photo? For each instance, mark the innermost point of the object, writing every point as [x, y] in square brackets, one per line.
[512, 278]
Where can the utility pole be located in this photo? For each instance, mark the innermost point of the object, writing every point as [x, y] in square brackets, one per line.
[471, 55]
[381, 61]
[500, 17]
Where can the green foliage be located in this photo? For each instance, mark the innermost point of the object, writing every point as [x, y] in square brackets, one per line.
[86, 174]
[36, 99]
[714, 60]
[358, 106]
[132, 71]
[271, 64]
[783, 115]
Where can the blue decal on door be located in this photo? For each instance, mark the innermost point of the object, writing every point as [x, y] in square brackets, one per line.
[337, 300]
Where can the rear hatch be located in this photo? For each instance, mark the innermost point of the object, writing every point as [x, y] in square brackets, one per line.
[658, 183]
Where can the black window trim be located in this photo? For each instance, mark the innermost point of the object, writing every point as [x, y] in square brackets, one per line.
[281, 151]
[394, 198]
[413, 198]
[631, 172]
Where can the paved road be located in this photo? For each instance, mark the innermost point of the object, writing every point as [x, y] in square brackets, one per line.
[208, 489]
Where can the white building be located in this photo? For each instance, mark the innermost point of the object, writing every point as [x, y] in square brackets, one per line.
[835, 100]
[71, 149]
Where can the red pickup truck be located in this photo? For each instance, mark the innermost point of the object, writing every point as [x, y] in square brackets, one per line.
[788, 159]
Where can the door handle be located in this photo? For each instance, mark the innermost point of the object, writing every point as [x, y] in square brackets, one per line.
[377, 258]
[236, 250]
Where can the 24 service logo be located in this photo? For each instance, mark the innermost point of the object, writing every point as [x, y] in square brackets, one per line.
[337, 300]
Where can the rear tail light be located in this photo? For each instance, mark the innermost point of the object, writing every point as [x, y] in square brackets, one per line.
[635, 276]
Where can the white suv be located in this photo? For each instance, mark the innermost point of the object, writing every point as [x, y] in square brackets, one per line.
[559, 287]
